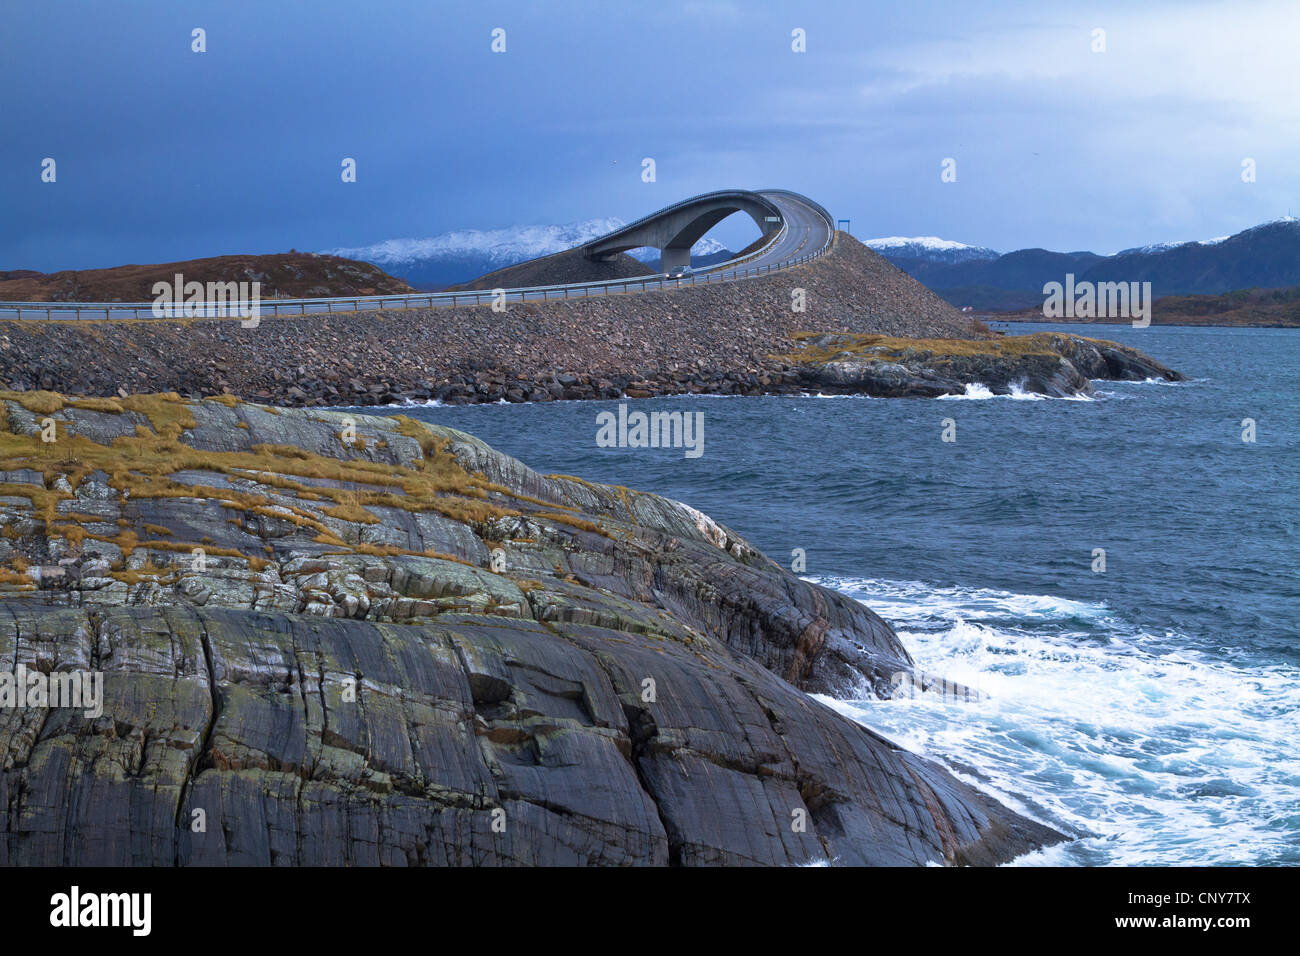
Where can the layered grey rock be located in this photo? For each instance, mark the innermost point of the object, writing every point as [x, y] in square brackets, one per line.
[532, 670]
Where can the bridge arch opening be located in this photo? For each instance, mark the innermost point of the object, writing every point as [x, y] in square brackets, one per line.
[675, 229]
[712, 224]
[731, 236]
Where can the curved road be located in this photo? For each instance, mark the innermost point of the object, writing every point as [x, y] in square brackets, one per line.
[807, 230]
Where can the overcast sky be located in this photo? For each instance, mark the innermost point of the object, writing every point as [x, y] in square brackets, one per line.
[165, 154]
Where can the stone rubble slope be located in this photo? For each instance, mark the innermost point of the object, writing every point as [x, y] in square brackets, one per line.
[705, 338]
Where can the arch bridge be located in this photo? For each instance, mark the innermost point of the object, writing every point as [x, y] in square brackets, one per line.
[674, 229]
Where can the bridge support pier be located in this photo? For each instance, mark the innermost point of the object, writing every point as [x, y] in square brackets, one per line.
[671, 258]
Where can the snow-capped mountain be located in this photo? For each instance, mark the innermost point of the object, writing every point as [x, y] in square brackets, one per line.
[928, 249]
[1264, 256]
[1284, 224]
[1164, 246]
[466, 254]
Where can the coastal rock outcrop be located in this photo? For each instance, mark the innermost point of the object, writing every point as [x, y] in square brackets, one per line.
[328, 640]
[1052, 364]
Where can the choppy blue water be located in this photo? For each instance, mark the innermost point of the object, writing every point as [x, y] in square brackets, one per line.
[1152, 709]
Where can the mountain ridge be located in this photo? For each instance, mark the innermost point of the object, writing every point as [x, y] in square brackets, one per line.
[463, 255]
[1263, 256]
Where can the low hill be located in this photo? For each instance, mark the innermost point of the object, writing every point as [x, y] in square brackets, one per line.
[1261, 308]
[290, 275]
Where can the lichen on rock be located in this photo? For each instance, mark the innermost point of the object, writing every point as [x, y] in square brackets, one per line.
[1053, 364]
[372, 641]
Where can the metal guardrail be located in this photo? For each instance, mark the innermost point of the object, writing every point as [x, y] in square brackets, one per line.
[724, 272]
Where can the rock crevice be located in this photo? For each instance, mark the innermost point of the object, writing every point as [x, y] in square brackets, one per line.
[401, 647]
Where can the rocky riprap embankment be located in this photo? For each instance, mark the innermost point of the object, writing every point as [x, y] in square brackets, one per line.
[401, 647]
[714, 339]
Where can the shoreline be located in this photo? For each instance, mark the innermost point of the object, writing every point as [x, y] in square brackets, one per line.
[409, 404]
[827, 362]
[993, 319]
[375, 619]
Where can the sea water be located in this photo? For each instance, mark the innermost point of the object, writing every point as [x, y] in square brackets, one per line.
[1149, 705]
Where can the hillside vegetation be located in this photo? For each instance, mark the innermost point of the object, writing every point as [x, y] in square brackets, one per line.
[289, 275]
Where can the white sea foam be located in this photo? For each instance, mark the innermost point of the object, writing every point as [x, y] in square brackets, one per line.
[1154, 380]
[1149, 753]
[974, 392]
[822, 395]
[1019, 394]
[978, 392]
[902, 601]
